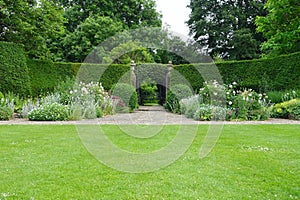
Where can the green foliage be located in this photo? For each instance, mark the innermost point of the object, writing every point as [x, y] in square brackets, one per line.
[203, 113]
[125, 52]
[87, 35]
[287, 110]
[262, 75]
[148, 92]
[281, 27]
[113, 74]
[207, 112]
[85, 100]
[13, 69]
[126, 96]
[220, 102]
[49, 112]
[223, 26]
[245, 45]
[174, 95]
[32, 24]
[15, 98]
[132, 13]
[6, 108]
[45, 75]
[5, 113]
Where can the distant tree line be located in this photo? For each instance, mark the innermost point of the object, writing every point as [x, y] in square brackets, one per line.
[68, 30]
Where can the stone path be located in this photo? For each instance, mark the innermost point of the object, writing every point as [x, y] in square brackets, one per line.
[148, 115]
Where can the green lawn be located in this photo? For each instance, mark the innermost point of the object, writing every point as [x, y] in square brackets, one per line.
[248, 162]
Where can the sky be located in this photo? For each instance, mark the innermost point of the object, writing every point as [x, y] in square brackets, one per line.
[175, 13]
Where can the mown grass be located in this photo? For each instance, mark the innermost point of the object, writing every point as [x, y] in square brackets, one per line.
[248, 162]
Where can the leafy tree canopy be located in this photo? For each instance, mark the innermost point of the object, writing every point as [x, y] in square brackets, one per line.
[31, 24]
[87, 36]
[220, 26]
[281, 27]
[132, 13]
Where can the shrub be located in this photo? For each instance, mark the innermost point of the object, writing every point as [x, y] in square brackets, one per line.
[127, 96]
[6, 108]
[203, 113]
[5, 113]
[287, 110]
[28, 106]
[213, 93]
[18, 102]
[49, 112]
[246, 104]
[275, 96]
[189, 105]
[13, 69]
[207, 112]
[240, 104]
[148, 91]
[86, 100]
[174, 95]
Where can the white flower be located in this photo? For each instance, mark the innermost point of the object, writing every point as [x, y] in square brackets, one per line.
[230, 102]
[230, 86]
[234, 92]
[215, 93]
[250, 94]
[84, 90]
[227, 92]
[260, 95]
[71, 92]
[234, 83]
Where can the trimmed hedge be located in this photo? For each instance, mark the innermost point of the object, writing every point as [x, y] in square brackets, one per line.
[13, 69]
[262, 75]
[45, 75]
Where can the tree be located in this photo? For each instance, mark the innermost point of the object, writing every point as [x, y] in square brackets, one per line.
[220, 25]
[125, 52]
[281, 27]
[132, 13]
[30, 24]
[87, 36]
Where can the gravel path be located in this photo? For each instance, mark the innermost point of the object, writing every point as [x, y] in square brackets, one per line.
[147, 115]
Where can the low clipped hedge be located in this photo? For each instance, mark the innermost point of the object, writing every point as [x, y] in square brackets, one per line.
[13, 69]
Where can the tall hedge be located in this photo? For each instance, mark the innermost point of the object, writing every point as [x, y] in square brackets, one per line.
[13, 69]
[45, 75]
[263, 75]
[280, 73]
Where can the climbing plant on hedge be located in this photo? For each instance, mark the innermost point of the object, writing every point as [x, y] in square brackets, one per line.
[13, 69]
